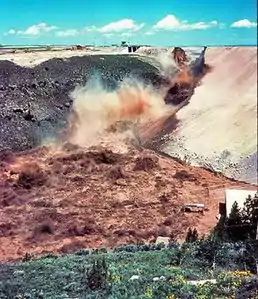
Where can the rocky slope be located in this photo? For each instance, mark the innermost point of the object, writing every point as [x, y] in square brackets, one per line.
[35, 102]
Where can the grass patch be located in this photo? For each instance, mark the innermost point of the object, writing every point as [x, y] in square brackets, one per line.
[137, 275]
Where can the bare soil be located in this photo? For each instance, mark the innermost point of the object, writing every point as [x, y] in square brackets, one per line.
[61, 201]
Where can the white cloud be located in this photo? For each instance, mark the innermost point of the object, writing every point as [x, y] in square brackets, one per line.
[120, 26]
[68, 32]
[10, 32]
[243, 24]
[171, 22]
[90, 28]
[33, 30]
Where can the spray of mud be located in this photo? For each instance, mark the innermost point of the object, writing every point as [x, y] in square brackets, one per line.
[166, 63]
[95, 110]
[102, 119]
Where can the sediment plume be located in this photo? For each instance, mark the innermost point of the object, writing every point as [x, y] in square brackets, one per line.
[95, 109]
[35, 101]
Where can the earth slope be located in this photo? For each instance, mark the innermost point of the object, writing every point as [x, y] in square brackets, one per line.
[218, 128]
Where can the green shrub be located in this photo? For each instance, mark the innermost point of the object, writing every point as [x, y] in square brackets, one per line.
[160, 246]
[82, 252]
[248, 290]
[172, 245]
[192, 235]
[99, 250]
[97, 275]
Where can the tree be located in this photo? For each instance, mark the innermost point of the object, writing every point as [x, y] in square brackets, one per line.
[192, 235]
[206, 251]
[97, 275]
[250, 211]
[234, 224]
[250, 215]
[220, 231]
[235, 215]
[195, 235]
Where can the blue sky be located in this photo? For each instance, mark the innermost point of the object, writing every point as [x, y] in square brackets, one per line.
[160, 23]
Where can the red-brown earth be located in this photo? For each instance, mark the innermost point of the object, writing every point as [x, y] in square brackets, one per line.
[61, 201]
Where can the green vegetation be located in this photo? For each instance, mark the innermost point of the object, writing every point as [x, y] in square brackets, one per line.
[136, 271]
